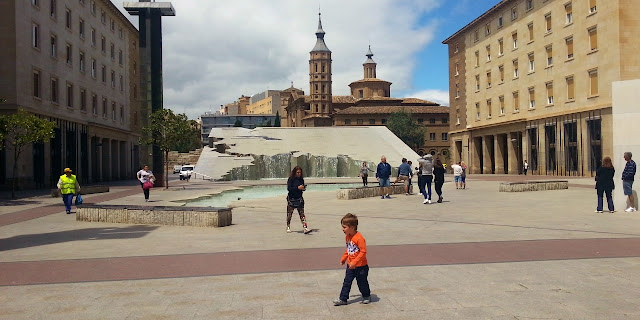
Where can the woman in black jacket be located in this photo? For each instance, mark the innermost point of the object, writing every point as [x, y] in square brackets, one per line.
[295, 186]
[438, 178]
[604, 184]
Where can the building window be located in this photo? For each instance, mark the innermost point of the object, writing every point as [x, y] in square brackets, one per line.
[593, 82]
[488, 53]
[83, 100]
[36, 84]
[420, 121]
[532, 98]
[549, 50]
[360, 93]
[67, 19]
[477, 111]
[569, 42]
[121, 83]
[445, 136]
[372, 121]
[135, 91]
[53, 8]
[530, 29]
[501, 72]
[488, 79]
[514, 13]
[69, 95]
[121, 113]
[501, 101]
[500, 47]
[93, 37]
[432, 136]
[93, 68]
[445, 120]
[35, 3]
[94, 104]
[103, 44]
[516, 101]
[384, 121]
[112, 24]
[112, 50]
[53, 46]
[35, 35]
[569, 13]
[487, 29]
[81, 61]
[120, 57]
[120, 34]
[476, 35]
[103, 17]
[457, 90]
[347, 122]
[92, 7]
[477, 58]
[528, 4]
[81, 28]
[457, 119]
[456, 48]
[360, 122]
[477, 82]
[549, 86]
[500, 23]
[532, 63]
[69, 54]
[104, 107]
[593, 38]
[592, 6]
[488, 108]
[514, 37]
[432, 120]
[104, 74]
[456, 69]
[515, 69]
[54, 90]
[571, 91]
[547, 21]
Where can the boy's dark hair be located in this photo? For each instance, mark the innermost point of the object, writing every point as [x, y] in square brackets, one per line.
[350, 220]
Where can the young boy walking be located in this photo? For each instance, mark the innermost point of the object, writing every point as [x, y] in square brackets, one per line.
[356, 258]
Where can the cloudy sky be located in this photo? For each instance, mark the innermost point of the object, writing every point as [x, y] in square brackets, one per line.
[216, 51]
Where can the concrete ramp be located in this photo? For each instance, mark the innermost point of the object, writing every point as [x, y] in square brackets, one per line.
[321, 152]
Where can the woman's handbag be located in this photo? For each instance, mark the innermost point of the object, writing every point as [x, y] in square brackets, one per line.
[147, 185]
[78, 200]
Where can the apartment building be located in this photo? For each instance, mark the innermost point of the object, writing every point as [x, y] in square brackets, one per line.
[532, 80]
[74, 62]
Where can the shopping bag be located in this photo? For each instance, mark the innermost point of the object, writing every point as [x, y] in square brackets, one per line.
[78, 200]
[147, 185]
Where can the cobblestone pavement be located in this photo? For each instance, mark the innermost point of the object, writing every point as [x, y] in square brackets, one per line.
[478, 255]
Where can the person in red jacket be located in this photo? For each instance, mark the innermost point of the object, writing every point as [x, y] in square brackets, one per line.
[356, 258]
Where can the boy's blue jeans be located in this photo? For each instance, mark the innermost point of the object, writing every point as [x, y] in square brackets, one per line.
[67, 199]
[360, 274]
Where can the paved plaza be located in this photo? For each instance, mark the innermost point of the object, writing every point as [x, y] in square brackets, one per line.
[479, 255]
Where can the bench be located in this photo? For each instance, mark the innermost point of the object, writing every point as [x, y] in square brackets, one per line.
[156, 215]
[534, 185]
[367, 192]
[83, 190]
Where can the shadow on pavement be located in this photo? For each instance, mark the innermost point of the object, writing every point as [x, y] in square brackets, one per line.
[41, 239]
[13, 203]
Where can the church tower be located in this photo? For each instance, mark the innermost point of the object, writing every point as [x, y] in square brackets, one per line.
[320, 81]
[369, 66]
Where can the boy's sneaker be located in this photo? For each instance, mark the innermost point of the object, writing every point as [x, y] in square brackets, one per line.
[429, 201]
[306, 230]
[598, 211]
[425, 201]
[338, 302]
[612, 211]
[387, 196]
[366, 300]
[381, 197]
[288, 229]
[630, 209]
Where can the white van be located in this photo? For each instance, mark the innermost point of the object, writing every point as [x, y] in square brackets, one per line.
[185, 172]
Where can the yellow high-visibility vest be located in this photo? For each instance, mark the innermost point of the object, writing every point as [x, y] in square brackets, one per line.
[68, 184]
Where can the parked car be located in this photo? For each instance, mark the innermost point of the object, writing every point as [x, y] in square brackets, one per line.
[185, 172]
[176, 168]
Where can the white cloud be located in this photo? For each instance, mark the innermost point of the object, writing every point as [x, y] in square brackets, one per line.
[215, 51]
[439, 96]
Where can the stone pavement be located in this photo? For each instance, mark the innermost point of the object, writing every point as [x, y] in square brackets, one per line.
[479, 255]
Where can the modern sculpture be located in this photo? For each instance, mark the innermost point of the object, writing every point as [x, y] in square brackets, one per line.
[150, 44]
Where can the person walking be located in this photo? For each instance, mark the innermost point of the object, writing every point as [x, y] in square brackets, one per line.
[355, 256]
[426, 163]
[410, 174]
[146, 178]
[463, 176]
[404, 174]
[628, 175]
[364, 173]
[525, 167]
[68, 187]
[438, 174]
[457, 172]
[295, 187]
[383, 175]
[605, 184]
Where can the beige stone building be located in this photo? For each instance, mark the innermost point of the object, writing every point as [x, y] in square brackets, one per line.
[268, 102]
[75, 63]
[370, 102]
[532, 80]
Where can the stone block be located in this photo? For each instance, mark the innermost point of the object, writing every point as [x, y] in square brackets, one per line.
[533, 186]
[175, 216]
[367, 192]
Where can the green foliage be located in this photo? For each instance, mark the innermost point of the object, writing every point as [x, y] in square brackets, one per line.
[238, 123]
[276, 123]
[405, 128]
[22, 129]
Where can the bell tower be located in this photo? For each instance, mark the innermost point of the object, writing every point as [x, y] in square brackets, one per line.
[320, 80]
[369, 66]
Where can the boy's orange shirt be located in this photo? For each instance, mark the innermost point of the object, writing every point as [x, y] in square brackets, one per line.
[356, 252]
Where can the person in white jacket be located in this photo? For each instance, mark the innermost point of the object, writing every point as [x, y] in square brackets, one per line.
[426, 163]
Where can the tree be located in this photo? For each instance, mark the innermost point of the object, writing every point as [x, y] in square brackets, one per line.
[276, 122]
[405, 128]
[238, 123]
[170, 131]
[22, 129]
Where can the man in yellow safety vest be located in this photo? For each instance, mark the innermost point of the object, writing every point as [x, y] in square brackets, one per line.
[68, 186]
